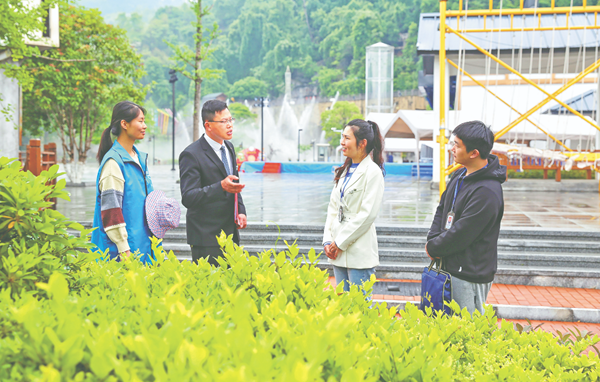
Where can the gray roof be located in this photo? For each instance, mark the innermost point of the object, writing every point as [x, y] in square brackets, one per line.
[584, 103]
[428, 41]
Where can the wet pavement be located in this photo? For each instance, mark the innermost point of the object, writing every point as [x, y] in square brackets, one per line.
[303, 199]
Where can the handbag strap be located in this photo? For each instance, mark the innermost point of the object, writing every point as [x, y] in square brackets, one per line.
[437, 263]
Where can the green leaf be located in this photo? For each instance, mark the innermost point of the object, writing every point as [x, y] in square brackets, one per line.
[57, 287]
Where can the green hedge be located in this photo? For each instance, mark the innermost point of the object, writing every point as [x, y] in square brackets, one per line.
[34, 239]
[539, 174]
[273, 317]
[257, 320]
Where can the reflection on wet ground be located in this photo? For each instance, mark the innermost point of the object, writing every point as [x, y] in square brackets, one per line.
[303, 199]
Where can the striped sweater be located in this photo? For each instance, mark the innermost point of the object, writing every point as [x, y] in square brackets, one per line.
[112, 184]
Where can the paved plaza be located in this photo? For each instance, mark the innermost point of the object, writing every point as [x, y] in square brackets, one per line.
[303, 199]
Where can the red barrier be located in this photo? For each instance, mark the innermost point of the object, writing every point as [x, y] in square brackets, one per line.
[37, 160]
[272, 168]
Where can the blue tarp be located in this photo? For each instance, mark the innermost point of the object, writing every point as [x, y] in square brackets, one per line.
[295, 167]
[403, 169]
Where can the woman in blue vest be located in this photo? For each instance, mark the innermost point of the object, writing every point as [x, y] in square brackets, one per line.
[122, 185]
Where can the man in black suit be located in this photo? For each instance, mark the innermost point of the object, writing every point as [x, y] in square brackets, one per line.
[209, 183]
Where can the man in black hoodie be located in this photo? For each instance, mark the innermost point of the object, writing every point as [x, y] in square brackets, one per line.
[465, 229]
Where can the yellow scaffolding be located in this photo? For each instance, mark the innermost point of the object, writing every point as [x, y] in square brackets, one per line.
[444, 28]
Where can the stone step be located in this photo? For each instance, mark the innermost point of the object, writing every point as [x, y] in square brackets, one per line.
[574, 277]
[525, 257]
[404, 242]
[553, 244]
[554, 260]
[523, 312]
[409, 231]
[538, 275]
[421, 233]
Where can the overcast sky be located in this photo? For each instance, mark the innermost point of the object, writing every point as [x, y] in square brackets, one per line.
[111, 8]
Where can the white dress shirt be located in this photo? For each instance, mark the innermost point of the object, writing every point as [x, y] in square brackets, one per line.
[216, 146]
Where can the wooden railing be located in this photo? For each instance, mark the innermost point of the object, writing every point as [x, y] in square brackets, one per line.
[537, 164]
[37, 160]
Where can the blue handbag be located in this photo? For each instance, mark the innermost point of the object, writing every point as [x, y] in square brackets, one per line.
[436, 287]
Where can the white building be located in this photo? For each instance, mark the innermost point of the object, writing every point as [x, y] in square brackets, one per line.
[11, 90]
[548, 58]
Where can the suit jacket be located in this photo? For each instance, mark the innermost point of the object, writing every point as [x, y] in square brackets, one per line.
[356, 235]
[210, 209]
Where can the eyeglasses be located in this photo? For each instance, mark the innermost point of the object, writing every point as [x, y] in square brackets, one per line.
[226, 121]
[451, 144]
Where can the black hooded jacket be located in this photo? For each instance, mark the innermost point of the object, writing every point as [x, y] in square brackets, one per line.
[469, 249]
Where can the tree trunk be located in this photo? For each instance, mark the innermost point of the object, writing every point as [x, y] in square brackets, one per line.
[197, 105]
[73, 166]
[197, 79]
[307, 23]
[74, 169]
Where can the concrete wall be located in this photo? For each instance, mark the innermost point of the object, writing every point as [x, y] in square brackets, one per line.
[9, 132]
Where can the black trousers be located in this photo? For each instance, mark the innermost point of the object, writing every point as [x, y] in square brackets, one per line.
[212, 252]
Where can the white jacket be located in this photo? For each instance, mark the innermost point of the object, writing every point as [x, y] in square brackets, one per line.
[356, 235]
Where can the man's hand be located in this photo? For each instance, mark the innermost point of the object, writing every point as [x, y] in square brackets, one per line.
[426, 251]
[242, 221]
[230, 186]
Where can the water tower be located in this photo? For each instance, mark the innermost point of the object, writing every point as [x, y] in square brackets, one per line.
[379, 89]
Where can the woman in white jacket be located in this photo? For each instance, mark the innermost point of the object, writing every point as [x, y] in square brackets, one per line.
[350, 240]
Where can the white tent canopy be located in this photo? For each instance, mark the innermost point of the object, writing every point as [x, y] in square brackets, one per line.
[401, 145]
[420, 125]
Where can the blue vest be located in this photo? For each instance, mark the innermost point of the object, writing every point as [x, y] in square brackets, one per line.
[137, 186]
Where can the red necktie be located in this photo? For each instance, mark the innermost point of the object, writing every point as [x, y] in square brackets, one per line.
[235, 212]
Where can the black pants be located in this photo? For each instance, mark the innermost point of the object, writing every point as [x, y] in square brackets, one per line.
[212, 252]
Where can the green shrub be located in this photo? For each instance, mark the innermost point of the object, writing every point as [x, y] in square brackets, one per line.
[34, 242]
[539, 174]
[268, 318]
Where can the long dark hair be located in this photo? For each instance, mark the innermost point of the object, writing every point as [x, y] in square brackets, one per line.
[364, 130]
[124, 110]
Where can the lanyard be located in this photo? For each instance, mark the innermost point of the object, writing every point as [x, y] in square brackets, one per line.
[346, 180]
[457, 188]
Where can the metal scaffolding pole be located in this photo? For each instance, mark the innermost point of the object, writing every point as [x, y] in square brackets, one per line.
[442, 90]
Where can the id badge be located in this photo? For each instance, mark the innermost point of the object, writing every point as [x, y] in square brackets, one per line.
[341, 214]
[449, 220]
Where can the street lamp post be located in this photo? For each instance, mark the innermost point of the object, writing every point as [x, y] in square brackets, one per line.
[154, 149]
[299, 130]
[172, 80]
[262, 130]
[261, 103]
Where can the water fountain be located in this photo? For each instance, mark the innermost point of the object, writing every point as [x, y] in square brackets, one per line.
[281, 136]
[160, 147]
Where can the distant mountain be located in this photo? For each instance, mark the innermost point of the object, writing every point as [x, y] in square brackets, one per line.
[111, 8]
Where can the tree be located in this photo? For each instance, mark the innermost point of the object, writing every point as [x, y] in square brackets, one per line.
[75, 86]
[240, 112]
[406, 67]
[262, 37]
[327, 78]
[19, 23]
[248, 88]
[337, 118]
[189, 62]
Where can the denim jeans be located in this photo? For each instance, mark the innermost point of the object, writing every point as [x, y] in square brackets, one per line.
[352, 276]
